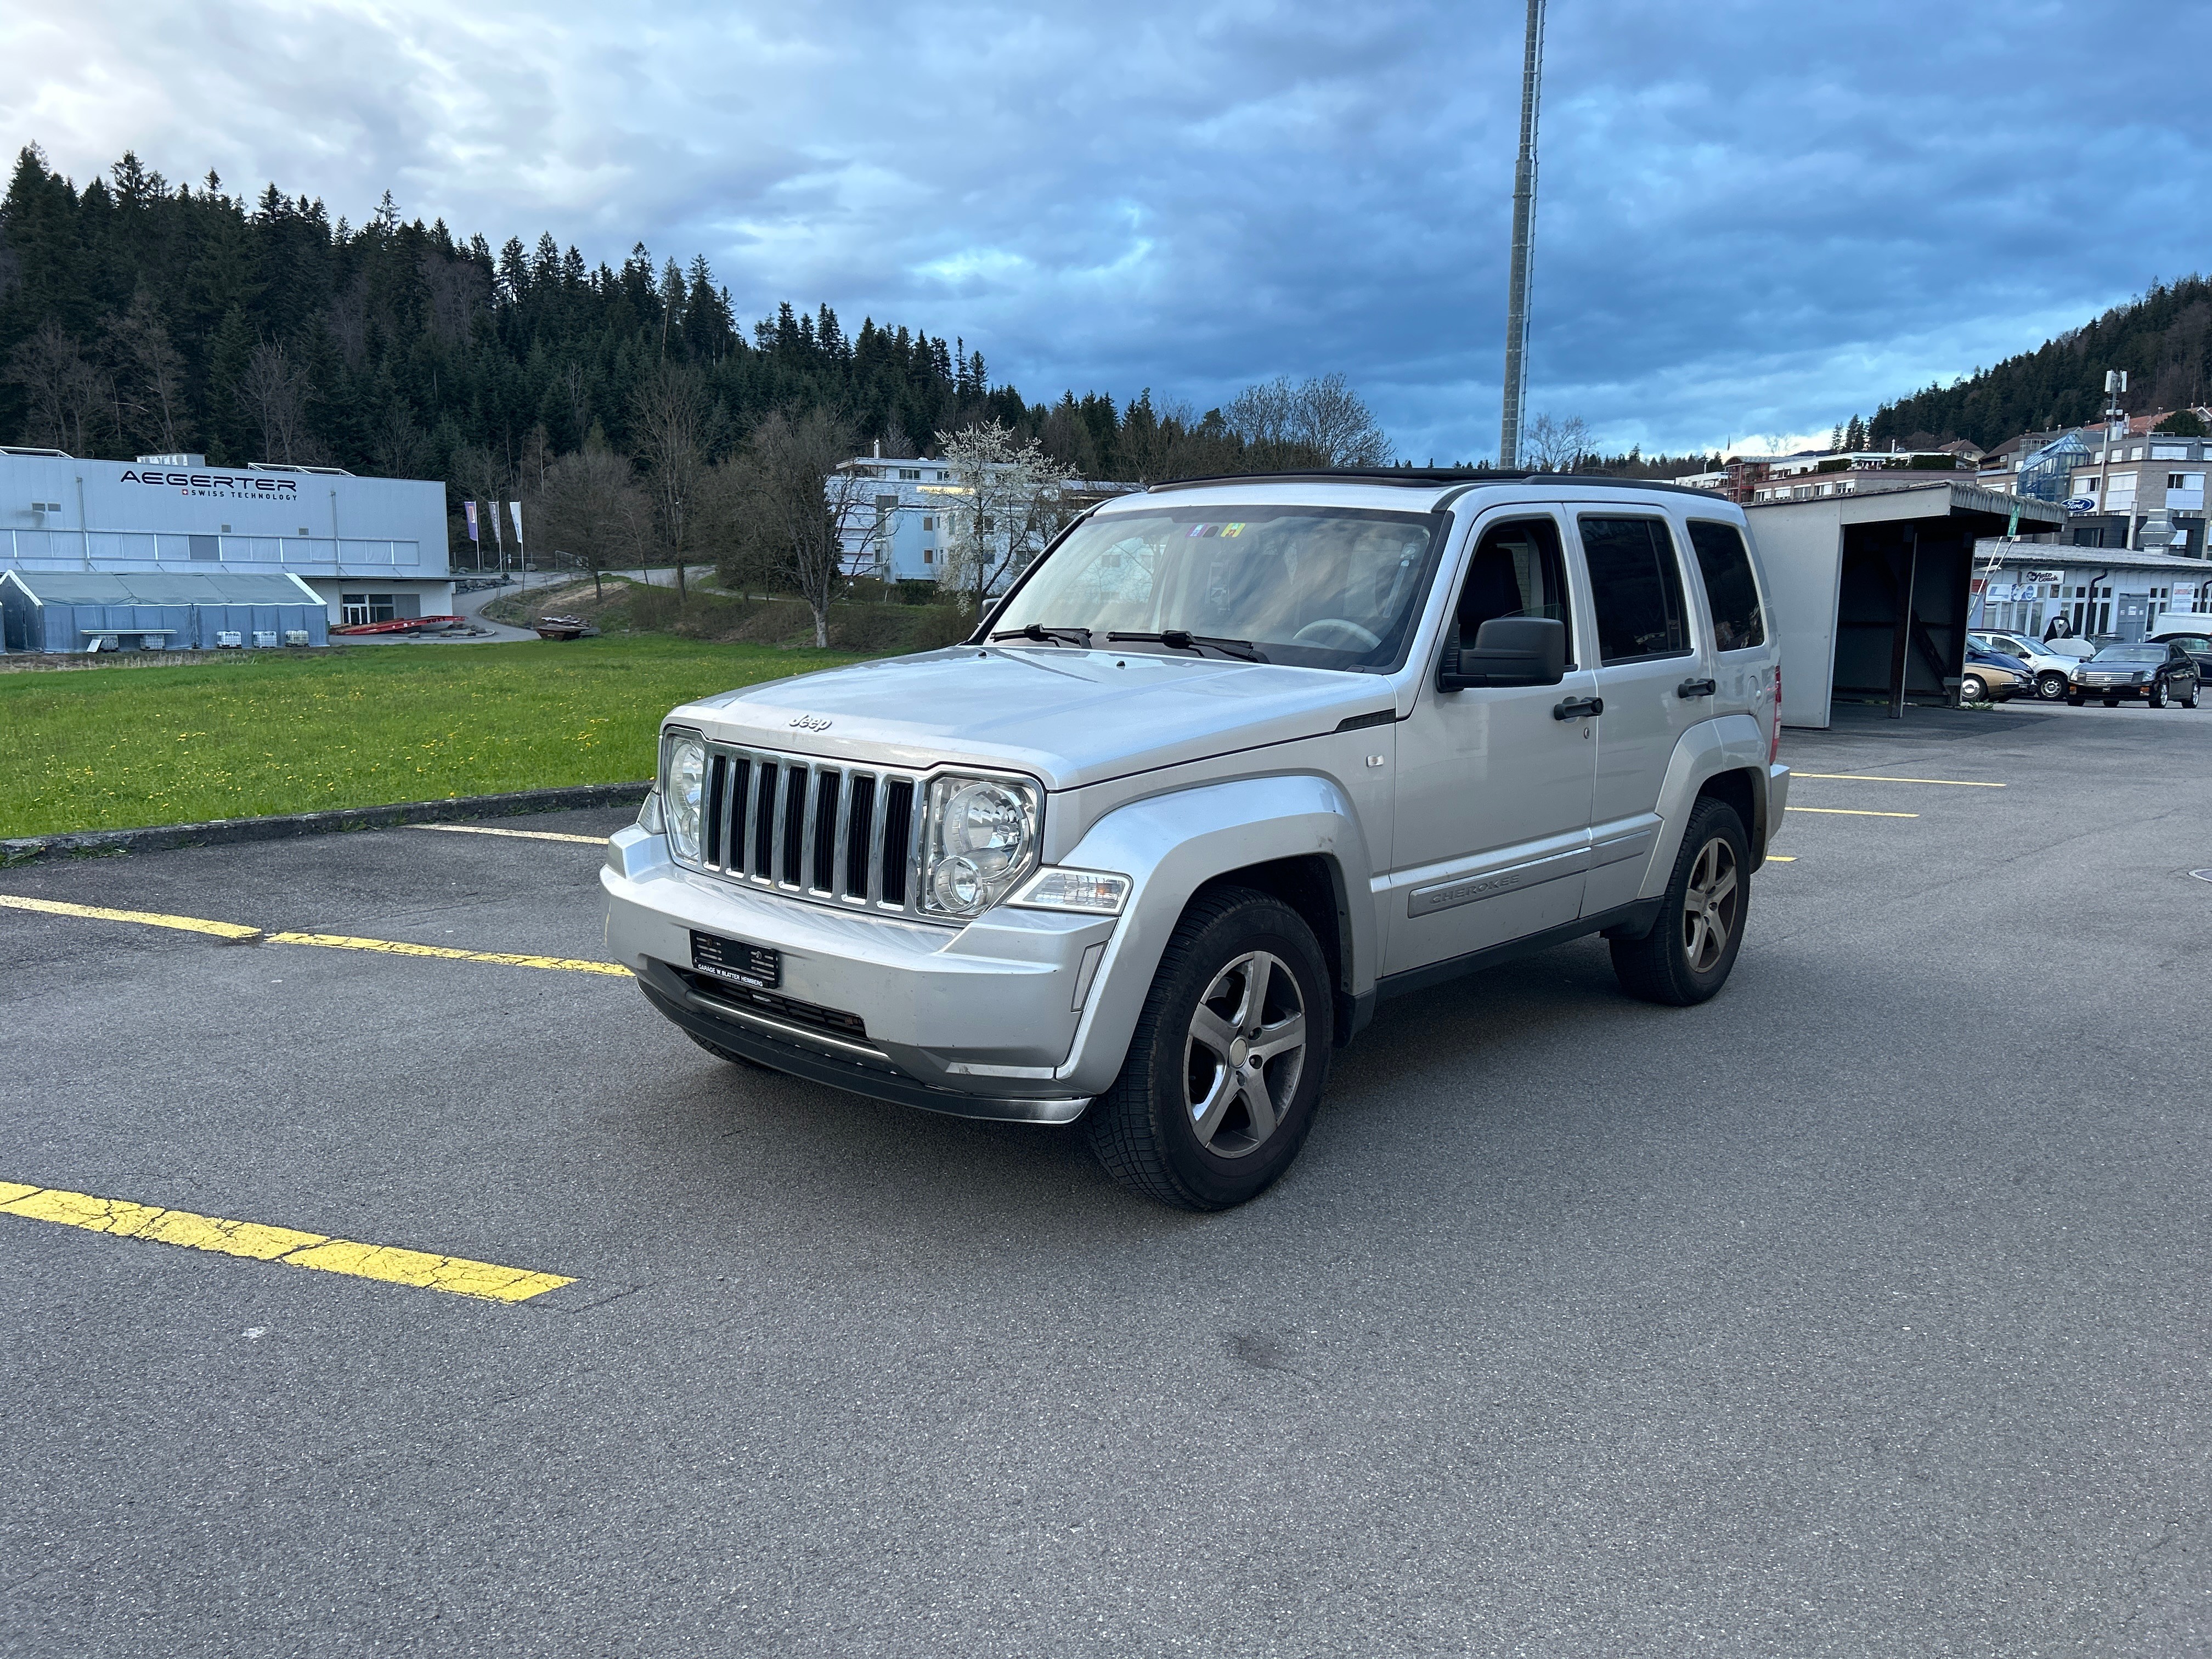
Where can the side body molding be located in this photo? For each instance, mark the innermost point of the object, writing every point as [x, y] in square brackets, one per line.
[1173, 844]
[1733, 743]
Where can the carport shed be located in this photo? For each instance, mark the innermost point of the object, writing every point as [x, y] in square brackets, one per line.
[56, 611]
[1870, 590]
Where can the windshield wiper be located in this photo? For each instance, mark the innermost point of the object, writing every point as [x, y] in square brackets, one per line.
[1176, 639]
[1043, 635]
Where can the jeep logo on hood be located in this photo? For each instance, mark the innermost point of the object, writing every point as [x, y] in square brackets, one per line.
[810, 723]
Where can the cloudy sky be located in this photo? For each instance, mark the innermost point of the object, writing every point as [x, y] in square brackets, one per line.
[1755, 220]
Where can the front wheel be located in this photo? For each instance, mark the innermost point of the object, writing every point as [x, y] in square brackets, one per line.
[2050, 685]
[1686, 955]
[1228, 1060]
[2156, 696]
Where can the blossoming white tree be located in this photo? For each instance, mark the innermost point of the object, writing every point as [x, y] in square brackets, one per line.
[1006, 499]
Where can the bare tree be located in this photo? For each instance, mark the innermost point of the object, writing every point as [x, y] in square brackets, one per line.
[67, 396]
[670, 412]
[801, 511]
[1007, 505]
[1314, 422]
[150, 371]
[1554, 444]
[273, 390]
[591, 510]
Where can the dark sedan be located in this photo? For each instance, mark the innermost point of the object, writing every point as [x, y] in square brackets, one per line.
[2156, 673]
[2199, 648]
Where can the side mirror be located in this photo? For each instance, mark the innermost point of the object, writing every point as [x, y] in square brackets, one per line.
[1507, 651]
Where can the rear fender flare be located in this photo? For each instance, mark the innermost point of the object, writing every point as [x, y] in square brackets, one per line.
[1732, 742]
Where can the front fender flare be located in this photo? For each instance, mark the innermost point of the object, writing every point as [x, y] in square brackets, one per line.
[1171, 845]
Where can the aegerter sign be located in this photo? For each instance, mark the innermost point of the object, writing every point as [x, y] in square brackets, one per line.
[247, 486]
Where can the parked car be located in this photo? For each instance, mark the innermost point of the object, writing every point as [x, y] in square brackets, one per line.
[2198, 645]
[2050, 668]
[1234, 761]
[2155, 673]
[1992, 677]
[2070, 645]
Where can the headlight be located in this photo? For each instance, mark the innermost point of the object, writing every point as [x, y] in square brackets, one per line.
[980, 838]
[1089, 892]
[683, 792]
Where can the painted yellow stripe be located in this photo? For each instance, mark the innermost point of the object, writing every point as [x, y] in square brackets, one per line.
[147, 918]
[121, 1218]
[1868, 777]
[1781, 858]
[1849, 812]
[332, 941]
[401, 948]
[519, 835]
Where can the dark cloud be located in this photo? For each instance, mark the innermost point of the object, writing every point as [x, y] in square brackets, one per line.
[1755, 219]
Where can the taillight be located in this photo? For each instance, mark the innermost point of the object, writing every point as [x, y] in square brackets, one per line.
[1774, 742]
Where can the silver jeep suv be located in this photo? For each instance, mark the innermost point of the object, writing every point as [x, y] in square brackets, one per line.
[1234, 761]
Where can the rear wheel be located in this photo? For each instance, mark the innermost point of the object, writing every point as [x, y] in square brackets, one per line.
[1687, 955]
[2050, 685]
[1971, 689]
[2189, 702]
[1228, 1060]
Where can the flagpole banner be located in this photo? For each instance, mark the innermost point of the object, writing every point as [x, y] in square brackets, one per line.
[514, 508]
[469, 511]
[498, 535]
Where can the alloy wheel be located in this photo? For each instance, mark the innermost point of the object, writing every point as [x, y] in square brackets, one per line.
[1246, 1051]
[1710, 904]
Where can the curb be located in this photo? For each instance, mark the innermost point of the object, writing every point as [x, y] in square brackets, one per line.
[224, 831]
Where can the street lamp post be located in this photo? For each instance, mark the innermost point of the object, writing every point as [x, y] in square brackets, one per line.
[1524, 230]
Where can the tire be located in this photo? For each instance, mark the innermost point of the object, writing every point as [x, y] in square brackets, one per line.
[2155, 697]
[1972, 689]
[1678, 962]
[1191, 1122]
[2189, 702]
[730, 1054]
[2050, 685]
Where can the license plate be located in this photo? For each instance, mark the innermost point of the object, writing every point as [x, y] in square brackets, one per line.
[737, 961]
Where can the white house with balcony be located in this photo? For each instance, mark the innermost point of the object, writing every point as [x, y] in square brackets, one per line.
[371, 549]
[916, 496]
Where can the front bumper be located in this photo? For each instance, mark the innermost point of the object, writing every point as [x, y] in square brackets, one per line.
[978, 1021]
[2088, 689]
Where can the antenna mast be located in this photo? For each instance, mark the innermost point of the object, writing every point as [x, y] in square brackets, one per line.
[1524, 227]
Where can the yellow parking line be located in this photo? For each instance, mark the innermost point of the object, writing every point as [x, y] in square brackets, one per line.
[1849, 812]
[232, 930]
[1781, 858]
[1868, 777]
[519, 834]
[401, 948]
[121, 1218]
[148, 918]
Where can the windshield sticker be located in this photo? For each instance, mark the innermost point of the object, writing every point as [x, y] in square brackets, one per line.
[1198, 529]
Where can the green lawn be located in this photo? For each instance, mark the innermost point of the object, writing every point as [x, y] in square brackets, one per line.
[113, 747]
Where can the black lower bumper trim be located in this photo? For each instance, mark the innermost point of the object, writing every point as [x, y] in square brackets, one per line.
[668, 993]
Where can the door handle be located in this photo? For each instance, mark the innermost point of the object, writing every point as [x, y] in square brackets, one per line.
[1696, 688]
[1573, 708]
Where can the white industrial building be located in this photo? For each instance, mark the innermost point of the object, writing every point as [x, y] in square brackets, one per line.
[371, 549]
[915, 497]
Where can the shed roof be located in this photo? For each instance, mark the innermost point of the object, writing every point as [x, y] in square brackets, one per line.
[1886, 502]
[161, 587]
[2028, 555]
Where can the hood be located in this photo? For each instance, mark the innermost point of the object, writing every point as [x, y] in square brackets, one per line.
[1070, 718]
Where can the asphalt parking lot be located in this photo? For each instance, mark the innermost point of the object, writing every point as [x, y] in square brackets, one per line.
[1862, 1311]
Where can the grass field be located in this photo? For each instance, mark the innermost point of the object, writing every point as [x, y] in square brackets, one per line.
[113, 748]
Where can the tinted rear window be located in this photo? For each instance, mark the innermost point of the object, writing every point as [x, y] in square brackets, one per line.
[1731, 588]
[1635, 588]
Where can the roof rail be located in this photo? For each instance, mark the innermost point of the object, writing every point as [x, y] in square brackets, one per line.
[26, 449]
[287, 466]
[1425, 478]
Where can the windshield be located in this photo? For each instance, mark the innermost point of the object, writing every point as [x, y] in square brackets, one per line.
[2132, 654]
[2194, 644]
[1315, 587]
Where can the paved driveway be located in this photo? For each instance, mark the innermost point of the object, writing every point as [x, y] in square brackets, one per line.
[1862, 1311]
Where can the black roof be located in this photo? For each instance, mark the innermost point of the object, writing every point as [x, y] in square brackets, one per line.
[1426, 477]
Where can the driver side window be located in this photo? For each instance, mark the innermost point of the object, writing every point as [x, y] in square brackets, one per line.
[1517, 570]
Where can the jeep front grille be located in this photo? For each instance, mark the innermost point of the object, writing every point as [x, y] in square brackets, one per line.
[846, 836]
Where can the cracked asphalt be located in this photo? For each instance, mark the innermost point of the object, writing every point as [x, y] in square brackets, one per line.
[1862, 1311]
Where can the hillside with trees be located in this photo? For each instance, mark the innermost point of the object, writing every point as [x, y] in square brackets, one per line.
[137, 315]
[2163, 340]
